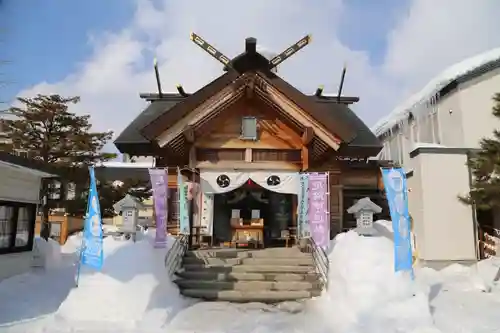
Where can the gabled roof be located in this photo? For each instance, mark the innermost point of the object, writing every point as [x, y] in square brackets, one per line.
[131, 141]
[28, 165]
[364, 204]
[139, 137]
[128, 201]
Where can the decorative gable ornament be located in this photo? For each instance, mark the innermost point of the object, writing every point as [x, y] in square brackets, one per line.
[363, 210]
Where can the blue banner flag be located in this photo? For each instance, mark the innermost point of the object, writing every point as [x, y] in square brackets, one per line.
[397, 197]
[91, 253]
[303, 203]
[183, 205]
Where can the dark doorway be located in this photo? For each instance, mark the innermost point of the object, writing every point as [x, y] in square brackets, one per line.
[276, 209]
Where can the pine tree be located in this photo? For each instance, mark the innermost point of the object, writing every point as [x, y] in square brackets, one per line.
[47, 131]
[485, 167]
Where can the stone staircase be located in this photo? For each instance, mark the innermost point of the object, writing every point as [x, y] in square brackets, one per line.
[240, 275]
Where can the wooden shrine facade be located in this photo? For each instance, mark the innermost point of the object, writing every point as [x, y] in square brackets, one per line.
[251, 119]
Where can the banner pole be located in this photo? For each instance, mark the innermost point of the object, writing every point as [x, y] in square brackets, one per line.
[79, 264]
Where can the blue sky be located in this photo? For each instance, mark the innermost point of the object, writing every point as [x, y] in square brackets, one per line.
[102, 50]
[45, 40]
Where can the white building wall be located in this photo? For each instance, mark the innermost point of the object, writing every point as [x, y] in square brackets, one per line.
[450, 117]
[477, 104]
[19, 186]
[444, 226]
[460, 119]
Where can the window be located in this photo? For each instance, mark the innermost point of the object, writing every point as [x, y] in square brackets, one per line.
[21, 153]
[54, 190]
[70, 191]
[17, 224]
[249, 128]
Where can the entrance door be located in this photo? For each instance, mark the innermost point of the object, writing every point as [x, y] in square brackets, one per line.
[276, 209]
[246, 201]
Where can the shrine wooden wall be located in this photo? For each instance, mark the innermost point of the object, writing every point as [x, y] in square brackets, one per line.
[224, 131]
[350, 181]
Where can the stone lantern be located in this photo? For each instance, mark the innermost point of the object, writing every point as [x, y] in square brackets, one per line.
[129, 206]
[363, 210]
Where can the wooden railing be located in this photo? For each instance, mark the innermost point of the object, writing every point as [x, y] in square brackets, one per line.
[61, 227]
[489, 241]
[173, 259]
[321, 261]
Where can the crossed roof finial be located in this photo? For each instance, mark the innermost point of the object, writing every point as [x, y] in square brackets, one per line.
[251, 48]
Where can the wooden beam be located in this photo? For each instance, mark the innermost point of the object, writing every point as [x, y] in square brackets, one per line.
[250, 88]
[192, 156]
[305, 158]
[189, 134]
[308, 135]
[294, 137]
[235, 165]
[219, 100]
[301, 116]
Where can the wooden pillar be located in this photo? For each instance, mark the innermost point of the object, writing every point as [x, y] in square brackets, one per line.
[307, 137]
[336, 202]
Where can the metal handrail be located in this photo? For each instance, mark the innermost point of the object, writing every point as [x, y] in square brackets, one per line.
[173, 258]
[320, 258]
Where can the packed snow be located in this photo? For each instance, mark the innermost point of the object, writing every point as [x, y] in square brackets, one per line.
[448, 75]
[134, 294]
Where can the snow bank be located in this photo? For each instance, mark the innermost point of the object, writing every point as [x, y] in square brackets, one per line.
[365, 295]
[49, 252]
[132, 289]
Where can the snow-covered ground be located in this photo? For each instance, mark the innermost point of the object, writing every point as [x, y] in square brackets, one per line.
[134, 294]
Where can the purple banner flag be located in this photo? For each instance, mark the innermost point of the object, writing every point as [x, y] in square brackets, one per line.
[159, 184]
[319, 221]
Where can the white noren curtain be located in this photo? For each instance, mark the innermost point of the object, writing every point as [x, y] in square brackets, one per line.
[222, 181]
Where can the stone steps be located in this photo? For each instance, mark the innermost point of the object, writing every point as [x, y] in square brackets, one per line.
[239, 275]
[245, 253]
[251, 268]
[238, 296]
[302, 261]
[247, 285]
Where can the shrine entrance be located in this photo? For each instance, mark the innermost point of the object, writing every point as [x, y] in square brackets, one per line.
[253, 216]
[249, 207]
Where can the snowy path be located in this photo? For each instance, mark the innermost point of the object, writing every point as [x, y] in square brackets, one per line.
[133, 294]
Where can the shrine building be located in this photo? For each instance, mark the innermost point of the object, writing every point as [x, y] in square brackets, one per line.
[245, 137]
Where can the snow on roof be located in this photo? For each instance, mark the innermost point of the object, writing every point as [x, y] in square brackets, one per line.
[452, 73]
[26, 170]
[417, 145]
[114, 164]
[364, 204]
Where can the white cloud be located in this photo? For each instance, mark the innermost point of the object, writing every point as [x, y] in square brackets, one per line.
[435, 34]
[430, 35]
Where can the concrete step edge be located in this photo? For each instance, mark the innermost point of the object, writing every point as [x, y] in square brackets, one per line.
[249, 296]
[251, 268]
[246, 276]
[248, 285]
